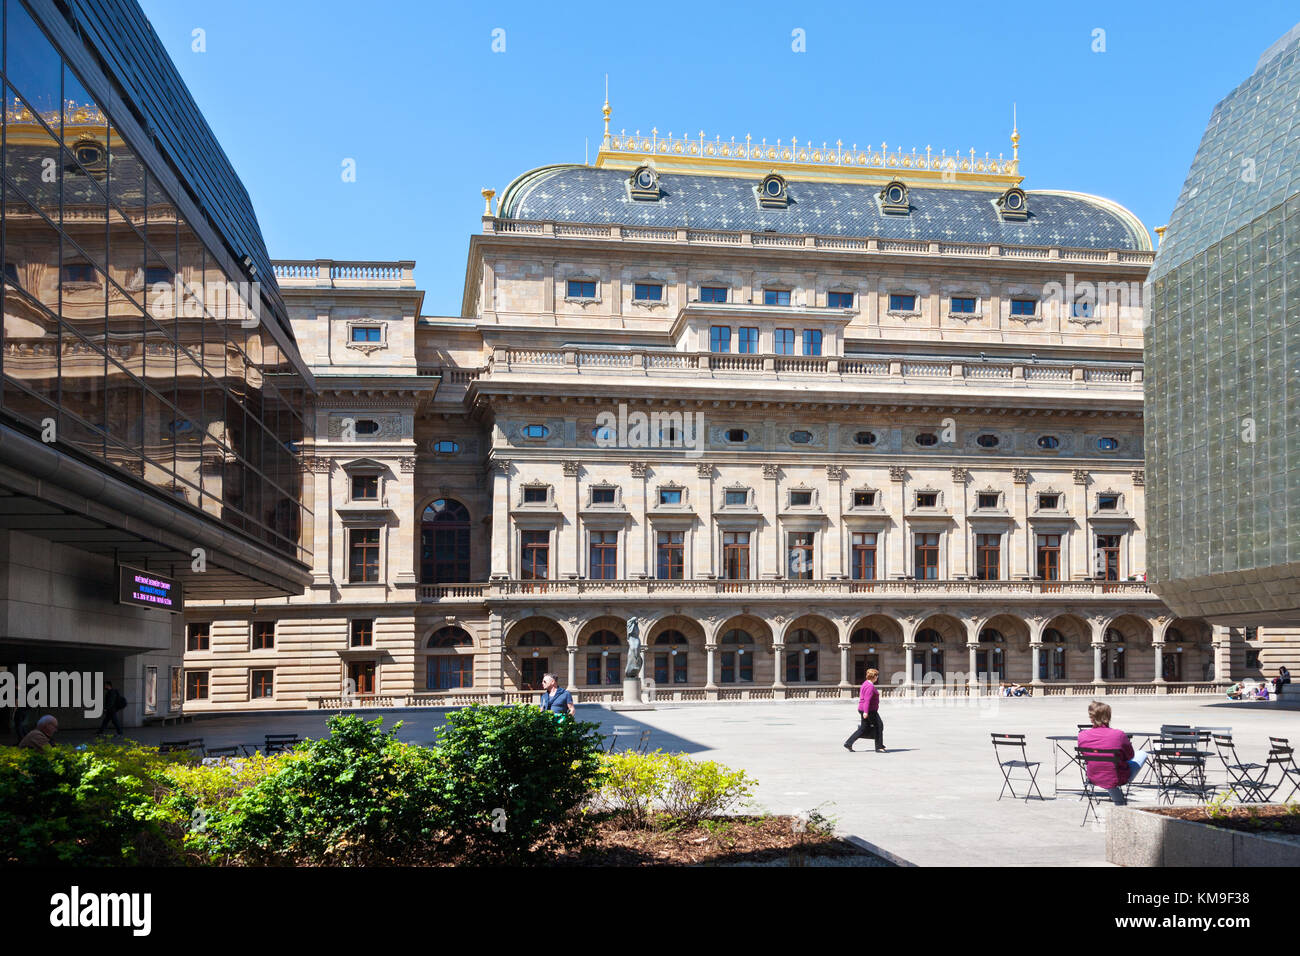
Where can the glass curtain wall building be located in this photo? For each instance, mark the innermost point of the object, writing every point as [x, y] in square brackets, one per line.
[1223, 361]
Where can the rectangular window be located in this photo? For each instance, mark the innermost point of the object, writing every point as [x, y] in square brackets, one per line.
[776, 296]
[1108, 502]
[264, 635]
[602, 496]
[361, 674]
[448, 671]
[604, 555]
[263, 684]
[1049, 557]
[748, 343]
[535, 494]
[961, 304]
[196, 635]
[1081, 309]
[670, 496]
[986, 500]
[735, 555]
[737, 668]
[719, 339]
[531, 671]
[864, 556]
[864, 499]
[365, 333]
[363, 555]
[800, 499]
[1048, 502]
[177, 688]
[839, 300]
[581, 289]
[604, 668]
[812, 342]
[647, 292]
[736, 498]
[365, 487]
[670, 555]
[535, 547]
[927, 556]
[1023, 306]
[902, 303]
[1108, 557]
[713, 293]
[362, 633]
[927, 499]
[801, 555]
[196, 685]
[783, 341]
[988, 557]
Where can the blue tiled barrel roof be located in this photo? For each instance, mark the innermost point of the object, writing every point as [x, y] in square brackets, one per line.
[572, 193]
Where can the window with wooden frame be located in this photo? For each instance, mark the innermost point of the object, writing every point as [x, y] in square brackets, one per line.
[263, 636]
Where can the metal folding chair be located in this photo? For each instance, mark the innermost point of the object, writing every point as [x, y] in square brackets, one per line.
[620, 730]
[1284, 759]
[1094, 794]
[1243, 781]
[1013, 743]
[643, 745]
[1179, 768]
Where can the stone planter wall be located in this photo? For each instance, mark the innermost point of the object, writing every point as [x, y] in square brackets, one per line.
[1138, 838]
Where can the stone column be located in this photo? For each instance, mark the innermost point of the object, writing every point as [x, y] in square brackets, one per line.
[972, 678]
[909, 651]
[844, 665]
[711, 651]
[778, 659]
[491, 667]
[897, 563]
[408, 537]
[1159, 648]
[1222, 654]
[1097, 648]
[500, 566]
[1035, 659]
[573, 666]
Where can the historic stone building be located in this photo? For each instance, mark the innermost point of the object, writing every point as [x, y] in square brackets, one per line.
[796, 410]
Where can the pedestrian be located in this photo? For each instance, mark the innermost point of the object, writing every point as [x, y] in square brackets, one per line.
[43, 735]
[20, 724]
[555, 698]
[1100, 736]
[114, 704]
[869, 722]
[1282, 679]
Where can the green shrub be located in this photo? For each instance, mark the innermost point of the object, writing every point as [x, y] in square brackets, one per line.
[512, 778]
[686, 790]
[359, 796]
[93, 807]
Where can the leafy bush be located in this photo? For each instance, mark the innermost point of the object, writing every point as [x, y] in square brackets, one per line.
[511, 778]
[94, 807]
[686, 790]
[357, 797]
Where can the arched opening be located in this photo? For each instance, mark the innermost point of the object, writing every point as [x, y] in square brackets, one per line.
[671, 658]
[446, 665]
[604, 659]
[444, 543]
[736, 657]
[866, 652]
[1051, 656]
[802, 656]
[991, 657]
[1112, 656]
[534, 658]
[929, 651]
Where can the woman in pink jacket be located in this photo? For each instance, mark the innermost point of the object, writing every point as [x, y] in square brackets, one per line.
[870, 724]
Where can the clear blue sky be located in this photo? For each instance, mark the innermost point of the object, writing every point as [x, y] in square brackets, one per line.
[412, 91]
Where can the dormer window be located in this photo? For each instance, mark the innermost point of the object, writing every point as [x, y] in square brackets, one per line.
[893, 199]
[643, 184]
[647, 292]
[772, 192]
[1013, 205]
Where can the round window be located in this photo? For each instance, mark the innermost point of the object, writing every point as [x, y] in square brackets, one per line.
[895, 194]
[801, 437]
[1048, 442]
[1108, 444]
[536, 431]
[367, 426]
[774, 187]
[737, 435]
[645, 179]
[988, 440]
[926, 439]
[604, 434]
[446, 447]
[864, 438]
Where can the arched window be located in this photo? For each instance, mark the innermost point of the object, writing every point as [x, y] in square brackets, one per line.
[444, 543]
[671, 662]
[736, 636]
[1112, 658]
[449, 637]
[604, 638]
[671, 637]
[992, 661]
[736, 657]
[535, 639]
[930, 660]
[990, 636]
[928, 635]
[604, 666]
[1051, 658]
[865, 635]
[801, 660]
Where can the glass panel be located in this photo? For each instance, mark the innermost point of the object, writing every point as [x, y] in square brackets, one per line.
[32, 63]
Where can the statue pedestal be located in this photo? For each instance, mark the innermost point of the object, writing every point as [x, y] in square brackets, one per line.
[632, 696]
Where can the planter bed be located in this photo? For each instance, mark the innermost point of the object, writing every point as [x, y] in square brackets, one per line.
[1190, 836]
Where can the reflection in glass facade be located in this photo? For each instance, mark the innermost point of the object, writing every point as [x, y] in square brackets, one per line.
[120, 327]
[1223, 360]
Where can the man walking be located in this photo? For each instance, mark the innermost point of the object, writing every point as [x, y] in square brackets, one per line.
[114, 704]
[870, 724]
[554, 697]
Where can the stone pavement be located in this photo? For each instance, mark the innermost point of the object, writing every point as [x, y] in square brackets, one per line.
[931, 801]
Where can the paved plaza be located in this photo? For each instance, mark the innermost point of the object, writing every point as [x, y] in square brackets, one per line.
[930, 801]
